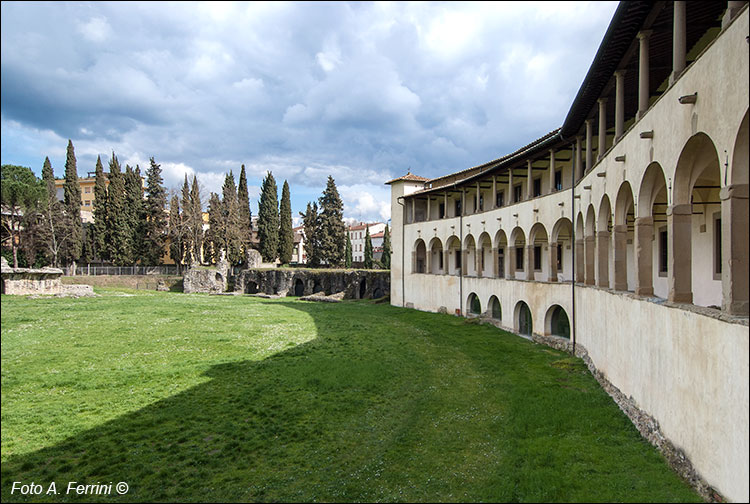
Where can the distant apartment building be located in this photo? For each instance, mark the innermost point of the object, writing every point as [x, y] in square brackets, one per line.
[87, 193]
[298, 252]
[357, 234]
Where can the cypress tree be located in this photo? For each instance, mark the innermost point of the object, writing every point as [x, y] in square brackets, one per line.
[368, 249]
[54, 229]
[286, 234]
[176, 232]
[187, 223]
[232, 229]
[311, 222]
[98, 229]
[154, 236]
[215, 236]
[72, 190]
[119, 234]
[348, 251]
[196, 221]
[134, 210]
[268, 219]
[332, 231]
[246, 215]
[386, 259]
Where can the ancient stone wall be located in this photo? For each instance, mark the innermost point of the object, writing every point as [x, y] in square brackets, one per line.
[355, 284]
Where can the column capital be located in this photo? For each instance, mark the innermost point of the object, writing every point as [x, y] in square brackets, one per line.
[602, 100]
[644, 34]
[621, 72]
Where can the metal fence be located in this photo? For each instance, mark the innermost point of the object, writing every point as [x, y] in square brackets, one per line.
[88, 270]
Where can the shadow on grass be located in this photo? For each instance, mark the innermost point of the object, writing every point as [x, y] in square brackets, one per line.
[354, 415]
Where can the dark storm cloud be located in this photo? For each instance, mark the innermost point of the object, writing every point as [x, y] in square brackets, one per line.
[360, 91]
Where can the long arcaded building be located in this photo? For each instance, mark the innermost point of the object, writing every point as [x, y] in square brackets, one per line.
[625, 230]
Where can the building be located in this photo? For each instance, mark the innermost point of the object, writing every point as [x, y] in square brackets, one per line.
[357, 233]
[298, 252]
[87, 193]
[625, 229]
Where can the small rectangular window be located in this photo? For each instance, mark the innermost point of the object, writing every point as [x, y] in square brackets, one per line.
[440, 260]
[500, 199]
[558, 180]
[442, 210]
[559, 258]
[481, 202]
[538, 258]
[501, 262]
[458, 259]
[537, 187]
[663, 252]
[519, 258]
[717, 246]
[458, 207]
[517, 193]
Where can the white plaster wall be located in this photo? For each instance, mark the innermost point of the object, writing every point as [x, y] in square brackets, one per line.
[706, 290]
[688, 370]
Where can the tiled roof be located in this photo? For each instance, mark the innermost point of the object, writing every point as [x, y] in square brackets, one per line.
[409, 177]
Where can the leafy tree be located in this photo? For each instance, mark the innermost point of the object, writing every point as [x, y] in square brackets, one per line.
[368, 249]
[348, 251]
[54, 230]
[268, 219]
[246, 216]
[154, 236]
[98, 231]
[134, 210]
[176, 232]
[286, 234]
[311, 223]
[119, 233]
[332, 230]
[21, 193]
[385, 260]
[72, 200]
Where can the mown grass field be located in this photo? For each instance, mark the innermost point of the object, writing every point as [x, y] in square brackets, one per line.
[216, 398]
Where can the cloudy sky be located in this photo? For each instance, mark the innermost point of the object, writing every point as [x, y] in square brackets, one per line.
[359, 91]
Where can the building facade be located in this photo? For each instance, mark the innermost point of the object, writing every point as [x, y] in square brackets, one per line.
[626, 229]
[357, 233]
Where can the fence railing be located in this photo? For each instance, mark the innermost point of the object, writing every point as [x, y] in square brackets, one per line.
[88, 269]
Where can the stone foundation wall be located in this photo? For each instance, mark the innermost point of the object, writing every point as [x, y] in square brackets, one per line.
[355, 284]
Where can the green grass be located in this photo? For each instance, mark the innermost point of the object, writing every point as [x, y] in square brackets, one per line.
[218, 398]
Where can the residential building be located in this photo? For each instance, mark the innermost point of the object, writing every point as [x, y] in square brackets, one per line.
[623, 231]
[357, 233]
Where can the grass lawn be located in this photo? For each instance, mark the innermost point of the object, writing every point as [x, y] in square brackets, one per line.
[218, 398]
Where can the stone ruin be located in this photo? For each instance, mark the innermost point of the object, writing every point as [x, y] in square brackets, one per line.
[206, 279]
[354, 284]
[38, 281]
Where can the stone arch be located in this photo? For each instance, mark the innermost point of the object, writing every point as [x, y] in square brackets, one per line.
[299, 287]
[556, 322]
[537, 246]
[522, 320]
[589, 246]
[362, 288]
[694, 258]
[251, 287]
[501, 246]
[419, 264]
[484, 255]
[650, 222]
[470, 255]
[494, 309]
[603, 226]
[623, 230]
[734, 246]
[580, 273]
[436, 259]
[561, 247]
[516, 251]
[453, 255]
[473, 305]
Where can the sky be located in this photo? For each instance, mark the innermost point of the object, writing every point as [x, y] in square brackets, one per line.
[363, 92]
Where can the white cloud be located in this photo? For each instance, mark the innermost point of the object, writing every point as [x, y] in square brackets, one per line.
[96, 29]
